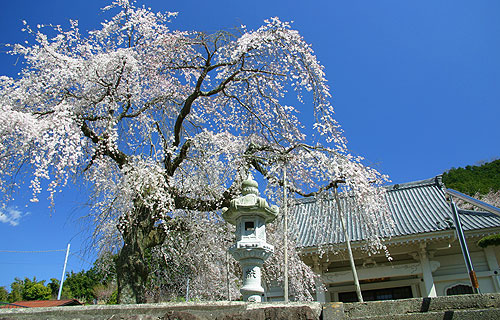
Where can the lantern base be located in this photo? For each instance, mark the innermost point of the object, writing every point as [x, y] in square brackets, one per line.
[253, 298]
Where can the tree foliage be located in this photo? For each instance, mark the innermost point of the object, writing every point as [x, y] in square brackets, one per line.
[493, 240]
[91, 285]
[474, 179]
[16, 290]
[27, 289]
[53, 285]
[80, 285]
[164, 125]
[85, 286]
[4, 294]
[36, 290]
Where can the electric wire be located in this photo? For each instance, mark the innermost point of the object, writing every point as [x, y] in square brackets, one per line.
[32, 251]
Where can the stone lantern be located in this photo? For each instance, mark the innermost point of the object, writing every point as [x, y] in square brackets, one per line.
[250, 213]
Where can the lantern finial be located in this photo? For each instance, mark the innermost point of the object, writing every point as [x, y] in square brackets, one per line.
[250, 186]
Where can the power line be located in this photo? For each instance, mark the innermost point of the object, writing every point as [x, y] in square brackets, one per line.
[39, 251]
[80, 257]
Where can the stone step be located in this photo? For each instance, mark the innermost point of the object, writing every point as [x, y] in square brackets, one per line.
[476, 314]
[421, 305]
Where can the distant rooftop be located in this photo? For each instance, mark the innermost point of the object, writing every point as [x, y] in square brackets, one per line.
[41, 303]
[417, 207]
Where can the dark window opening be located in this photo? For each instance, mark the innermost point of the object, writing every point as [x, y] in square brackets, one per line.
[377, 294]
[459, 289]
[249, 226]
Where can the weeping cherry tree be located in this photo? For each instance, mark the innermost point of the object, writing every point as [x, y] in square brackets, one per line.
[165, 124]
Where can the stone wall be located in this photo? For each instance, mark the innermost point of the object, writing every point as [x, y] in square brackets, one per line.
[467, 307]
[170, 311]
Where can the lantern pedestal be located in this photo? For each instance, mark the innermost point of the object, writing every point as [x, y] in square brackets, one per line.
[251, 261]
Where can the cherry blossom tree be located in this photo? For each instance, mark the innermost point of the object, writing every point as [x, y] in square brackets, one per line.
[492, 197]
[165, 124]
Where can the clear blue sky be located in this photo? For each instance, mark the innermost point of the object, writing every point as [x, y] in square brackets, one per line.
[415, 84]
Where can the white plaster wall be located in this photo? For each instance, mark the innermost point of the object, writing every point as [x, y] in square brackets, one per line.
[452, 271]
[485, 284]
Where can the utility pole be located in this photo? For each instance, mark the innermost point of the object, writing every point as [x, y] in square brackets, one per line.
[187, 290]
[463, 245]
[285, 227]
[227, 277]
[62, 276]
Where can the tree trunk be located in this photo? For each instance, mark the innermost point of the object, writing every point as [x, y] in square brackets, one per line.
[132, 275]
[132, 270]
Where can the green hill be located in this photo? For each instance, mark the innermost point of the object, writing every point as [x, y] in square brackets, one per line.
[473, 179]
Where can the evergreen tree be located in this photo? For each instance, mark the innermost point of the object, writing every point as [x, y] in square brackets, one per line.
[4, 294]
[36, 290]
[474, 179]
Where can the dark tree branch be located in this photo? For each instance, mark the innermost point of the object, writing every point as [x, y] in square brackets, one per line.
[187, 203]
[221, 85]
[118, 156]
[258, 164]
[172, 166]
[186, 109]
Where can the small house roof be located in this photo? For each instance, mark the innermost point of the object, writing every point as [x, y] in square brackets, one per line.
[41, 303]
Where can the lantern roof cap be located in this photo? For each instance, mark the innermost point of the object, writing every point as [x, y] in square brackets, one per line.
[249, 204]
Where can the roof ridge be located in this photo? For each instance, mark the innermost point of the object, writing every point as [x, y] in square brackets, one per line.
[436, 181]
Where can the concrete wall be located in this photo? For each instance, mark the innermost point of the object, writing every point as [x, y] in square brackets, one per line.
[467, 307]
[180, 311]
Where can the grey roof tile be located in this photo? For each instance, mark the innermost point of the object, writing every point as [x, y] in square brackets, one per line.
[416, 207]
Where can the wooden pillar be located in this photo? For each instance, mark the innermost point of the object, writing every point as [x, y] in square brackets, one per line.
[493, 266]
[429, 287]
[320, 292]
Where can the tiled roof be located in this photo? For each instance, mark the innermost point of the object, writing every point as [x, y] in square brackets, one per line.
[416, 208]
[41, 303]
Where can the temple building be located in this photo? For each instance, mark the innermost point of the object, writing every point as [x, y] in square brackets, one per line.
[427, 259]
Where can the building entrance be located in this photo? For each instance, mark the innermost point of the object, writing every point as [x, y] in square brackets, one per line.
[378, 294]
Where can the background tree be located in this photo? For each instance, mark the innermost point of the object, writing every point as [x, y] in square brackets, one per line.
[97, 283]
[16, 290]
[492, 197]
[81, 285]
[479, 179]
[164, 125]
[91, 285]
[27, 289]
[105, 293]
[36, 290]
[4, 294]
[53, 285]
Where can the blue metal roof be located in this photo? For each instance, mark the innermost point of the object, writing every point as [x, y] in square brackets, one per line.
[416, 208]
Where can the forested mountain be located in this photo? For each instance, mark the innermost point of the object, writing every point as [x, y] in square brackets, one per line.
[473, 180]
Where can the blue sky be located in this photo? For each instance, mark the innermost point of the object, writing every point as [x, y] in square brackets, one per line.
[415, 84]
